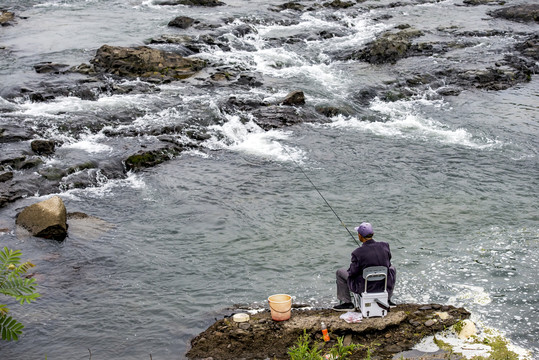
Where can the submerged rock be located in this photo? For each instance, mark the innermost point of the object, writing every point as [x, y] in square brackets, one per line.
[46, 219]
[50, 67]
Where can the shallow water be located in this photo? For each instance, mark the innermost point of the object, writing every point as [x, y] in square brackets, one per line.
[450, 183]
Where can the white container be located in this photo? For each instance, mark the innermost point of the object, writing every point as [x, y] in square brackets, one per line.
[240, 317]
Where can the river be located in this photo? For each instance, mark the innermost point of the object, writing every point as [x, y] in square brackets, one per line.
[450, 182]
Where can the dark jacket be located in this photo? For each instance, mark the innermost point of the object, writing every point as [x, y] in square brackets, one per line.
[370, 253]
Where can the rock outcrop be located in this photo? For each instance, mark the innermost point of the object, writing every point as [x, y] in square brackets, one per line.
[144, 62]
[389, 48]
[46, 219]
[262, 338]
[523, 13]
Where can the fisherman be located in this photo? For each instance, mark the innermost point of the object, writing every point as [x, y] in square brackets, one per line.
[370, 253]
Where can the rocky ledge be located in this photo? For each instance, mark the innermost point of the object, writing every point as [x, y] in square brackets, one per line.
[263, 338]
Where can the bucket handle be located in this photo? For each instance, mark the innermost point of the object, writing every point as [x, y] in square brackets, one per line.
[281, 312]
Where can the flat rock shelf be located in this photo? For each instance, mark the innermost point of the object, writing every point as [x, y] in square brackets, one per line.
[263, 338]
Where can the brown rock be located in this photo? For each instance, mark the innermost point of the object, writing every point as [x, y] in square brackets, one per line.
[144, 62]
[6, 17]
[46, 219]
[42, 147]
[294, 98]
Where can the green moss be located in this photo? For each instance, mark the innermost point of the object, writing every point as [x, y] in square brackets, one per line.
[442, 345]
[499, 350]
[149, 158]
[458, 326]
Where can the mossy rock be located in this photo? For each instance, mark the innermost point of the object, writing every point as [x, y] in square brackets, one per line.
[145, 159]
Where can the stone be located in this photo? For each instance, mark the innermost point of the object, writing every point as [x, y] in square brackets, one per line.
[145, 62]
[6, 17]
[291, 6]
[430, 322]
[182, 22]
[42, 147]
[50, 67]
[207, 3]
[244, 325]
[468, 329]
[144, 159]
[443, 315]
[46, 219]
[6, 176]
[522, 13]
[294, 98]
[338, 4]
[389, 47]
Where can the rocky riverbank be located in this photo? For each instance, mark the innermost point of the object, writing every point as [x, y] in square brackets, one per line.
[262, 338]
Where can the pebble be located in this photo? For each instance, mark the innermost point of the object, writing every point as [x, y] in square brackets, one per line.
[244, 325]
[426, 307]
[430, 322]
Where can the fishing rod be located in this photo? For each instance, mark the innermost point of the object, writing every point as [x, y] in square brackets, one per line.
[319, 193]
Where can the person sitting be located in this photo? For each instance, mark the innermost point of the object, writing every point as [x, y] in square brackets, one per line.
[370, 253]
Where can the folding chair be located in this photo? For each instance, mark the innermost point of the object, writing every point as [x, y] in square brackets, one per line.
[374, 303]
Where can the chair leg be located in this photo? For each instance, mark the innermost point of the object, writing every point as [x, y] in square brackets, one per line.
[357, 301]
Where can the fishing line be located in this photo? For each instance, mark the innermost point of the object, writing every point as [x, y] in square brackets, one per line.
[319, 193]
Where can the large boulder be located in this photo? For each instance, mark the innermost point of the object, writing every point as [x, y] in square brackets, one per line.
[145, 62]
[46, 219]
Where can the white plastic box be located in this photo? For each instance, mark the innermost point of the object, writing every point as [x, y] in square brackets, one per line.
[369, 306]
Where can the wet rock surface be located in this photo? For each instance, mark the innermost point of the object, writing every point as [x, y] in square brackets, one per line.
[400, 330]
[525, 13]
[144, 62]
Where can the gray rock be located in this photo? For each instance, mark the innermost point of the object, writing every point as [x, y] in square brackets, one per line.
[208, 3]
[182, 22]
[523, 13]
[5, 176]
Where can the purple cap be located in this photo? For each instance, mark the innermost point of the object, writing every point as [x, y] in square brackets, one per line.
[365, 229]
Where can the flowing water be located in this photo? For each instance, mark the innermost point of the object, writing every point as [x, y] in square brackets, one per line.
[451, 183]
